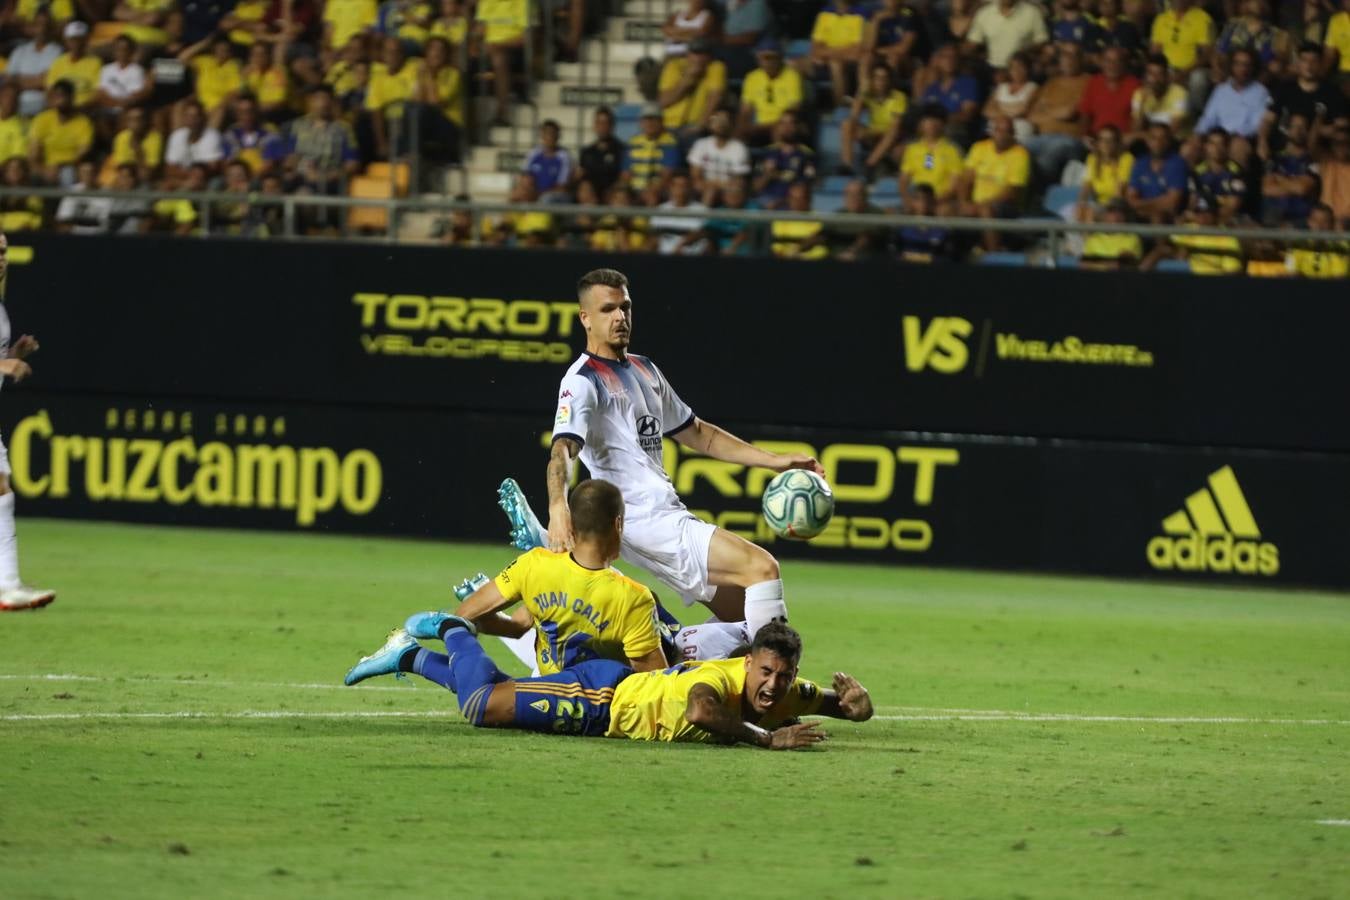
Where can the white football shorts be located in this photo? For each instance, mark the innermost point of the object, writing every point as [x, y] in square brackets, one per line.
[673, 545]
[712, 640]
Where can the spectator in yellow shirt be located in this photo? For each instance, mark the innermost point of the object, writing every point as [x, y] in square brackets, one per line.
[216, 76]
[1108, 250]
[438, 88]
[60, 136]
[1184, 35]
[837, 43]
[137, 144]
[501, 25]
[392, 84]
[1320, 259]
[767, 93]
[885, 106]
[932, 160]
[452, 25]
[798, 238]
[19, 213]
[690, 89]
[1108, 173]
[76, 66]
[1337, 42]
[13, 133]
[344, 19]
[994, 184]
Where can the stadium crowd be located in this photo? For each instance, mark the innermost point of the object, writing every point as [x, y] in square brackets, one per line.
[267, 96]
[1233, 113]
[1112, 113]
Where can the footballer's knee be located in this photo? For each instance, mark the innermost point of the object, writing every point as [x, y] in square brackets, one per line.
[4, 484]
[501, 706]
[761, 567]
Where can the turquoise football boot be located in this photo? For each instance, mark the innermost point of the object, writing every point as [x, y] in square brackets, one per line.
[469, 585]
[526, 532]
[383, 661]
[427, 625]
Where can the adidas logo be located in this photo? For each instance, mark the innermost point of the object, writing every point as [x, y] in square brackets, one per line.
[1215, 532]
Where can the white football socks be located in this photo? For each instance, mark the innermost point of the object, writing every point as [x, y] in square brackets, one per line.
[764, 604]
[9, 544]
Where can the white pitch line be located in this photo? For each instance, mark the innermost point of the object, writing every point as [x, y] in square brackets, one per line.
[189, 682]
[913, 714]
[1345, 822]
[975, 716]
[246, 714]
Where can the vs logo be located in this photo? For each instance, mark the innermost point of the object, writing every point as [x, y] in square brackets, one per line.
[940, 347]
[648, 426]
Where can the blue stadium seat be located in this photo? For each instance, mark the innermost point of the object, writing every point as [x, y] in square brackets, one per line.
[886, 192]
[796, 49]
[834, 184]
[1175, 266]
[626, 130]
[628, 112]
[1003, 258]
[827, 202]
[828, 146]
[1060, 196]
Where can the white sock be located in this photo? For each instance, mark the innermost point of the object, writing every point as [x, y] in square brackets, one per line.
[9, 544]
[764, 604]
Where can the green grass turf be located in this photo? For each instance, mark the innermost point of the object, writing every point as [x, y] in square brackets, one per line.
[170, 621]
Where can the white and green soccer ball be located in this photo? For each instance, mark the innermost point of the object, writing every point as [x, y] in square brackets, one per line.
[798, 504]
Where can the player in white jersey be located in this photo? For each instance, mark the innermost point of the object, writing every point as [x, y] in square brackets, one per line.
[614, 407]
[14, 594]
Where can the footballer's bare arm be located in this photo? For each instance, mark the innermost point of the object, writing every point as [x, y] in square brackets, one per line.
[483, 608]
[848, 700]
[560, 459]
[517, 624]
[705, 710]
[719, 443]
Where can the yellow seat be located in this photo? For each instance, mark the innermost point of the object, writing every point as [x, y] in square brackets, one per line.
[381, 170]
[369, 217]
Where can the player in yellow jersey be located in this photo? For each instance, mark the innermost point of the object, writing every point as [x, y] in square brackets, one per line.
[754, 700]
[579, 607]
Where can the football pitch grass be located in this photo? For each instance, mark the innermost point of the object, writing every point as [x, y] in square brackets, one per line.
[175, 726]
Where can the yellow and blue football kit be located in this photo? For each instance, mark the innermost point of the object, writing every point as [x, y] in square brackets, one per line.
[650, 706]
[580, 613]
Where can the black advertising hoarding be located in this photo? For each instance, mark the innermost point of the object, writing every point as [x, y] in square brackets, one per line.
[903, 498]
[963, 349]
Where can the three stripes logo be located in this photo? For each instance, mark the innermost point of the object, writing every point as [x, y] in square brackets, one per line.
[1214, 532]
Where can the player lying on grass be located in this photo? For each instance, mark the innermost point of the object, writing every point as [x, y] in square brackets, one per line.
[579, 606]
[755, 699]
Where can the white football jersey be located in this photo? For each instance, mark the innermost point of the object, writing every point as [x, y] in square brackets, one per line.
[619, 411]
[4, 334]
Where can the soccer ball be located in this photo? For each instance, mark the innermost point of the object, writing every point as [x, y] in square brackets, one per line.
[798, 504]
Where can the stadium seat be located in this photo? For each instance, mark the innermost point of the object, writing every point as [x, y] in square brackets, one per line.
[886, 192]
[828, 145]
[1175, 266]
[382, 171]
[1003, 258]
[827, 203]
[835, 184]
[798, 49]
[369, 218]
[1060, 196]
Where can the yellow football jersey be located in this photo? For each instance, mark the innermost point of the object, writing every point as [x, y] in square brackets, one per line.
[649, 706]
[580, 613]
[996, 170]
[937, 166]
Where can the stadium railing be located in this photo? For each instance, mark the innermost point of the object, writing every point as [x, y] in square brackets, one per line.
[1055, 233]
